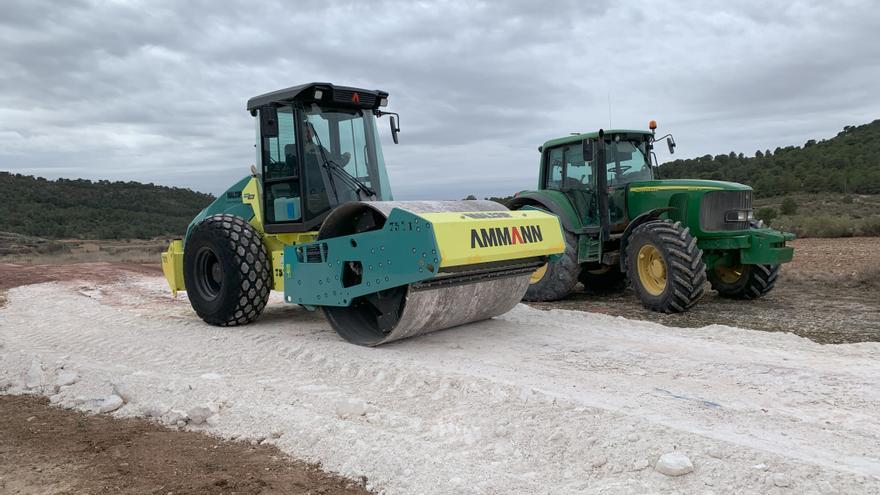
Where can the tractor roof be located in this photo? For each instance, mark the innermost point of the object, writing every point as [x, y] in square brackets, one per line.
[576, 138]
[344, 95]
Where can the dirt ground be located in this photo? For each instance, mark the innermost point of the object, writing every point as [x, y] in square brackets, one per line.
[48, 450]
[830, 294]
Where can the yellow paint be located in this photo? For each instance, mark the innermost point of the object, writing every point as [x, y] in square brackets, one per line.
[453, 231]
[652, 269]
[252, 195]
[277, 272]
[729, 274]
[675, 188]
[172, 266]
[538, 275]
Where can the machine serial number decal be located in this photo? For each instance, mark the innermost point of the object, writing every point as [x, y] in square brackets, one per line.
[400, 226]
[505, 236]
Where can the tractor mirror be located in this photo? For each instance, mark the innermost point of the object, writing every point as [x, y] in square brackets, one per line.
[394, 128]
[671, 144]
[588, 150]
[269, 121]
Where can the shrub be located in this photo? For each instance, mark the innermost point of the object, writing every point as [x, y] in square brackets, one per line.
[847, 200]
[819, 226]
[766, 214]
[788, 207]
[870, 226]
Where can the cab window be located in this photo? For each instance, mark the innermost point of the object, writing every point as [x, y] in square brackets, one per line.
[281, 171]
[555, 168]
[627, 161]
[578, 172]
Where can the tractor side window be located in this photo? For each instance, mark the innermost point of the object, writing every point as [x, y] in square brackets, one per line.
[578, 173]
[555, 167]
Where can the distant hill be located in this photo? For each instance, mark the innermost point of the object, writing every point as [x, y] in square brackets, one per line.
[847, 163]
[82, 209]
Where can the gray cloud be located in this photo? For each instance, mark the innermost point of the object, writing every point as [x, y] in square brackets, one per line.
[155, 91]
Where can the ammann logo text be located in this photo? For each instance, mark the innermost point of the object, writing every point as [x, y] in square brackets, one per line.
[504, 236]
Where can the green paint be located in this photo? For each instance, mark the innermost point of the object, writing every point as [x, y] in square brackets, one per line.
[577, 208]
[404, 251]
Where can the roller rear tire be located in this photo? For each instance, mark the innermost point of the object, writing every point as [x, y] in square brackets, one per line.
[226, 271]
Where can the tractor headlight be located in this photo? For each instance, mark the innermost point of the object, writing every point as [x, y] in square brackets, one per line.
[739, 216]
[318, 94]
[383, 102]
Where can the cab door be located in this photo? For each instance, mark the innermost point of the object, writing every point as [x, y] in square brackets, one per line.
[281, 171]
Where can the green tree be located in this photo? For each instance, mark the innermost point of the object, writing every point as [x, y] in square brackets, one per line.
[766, 214]
[788, 207]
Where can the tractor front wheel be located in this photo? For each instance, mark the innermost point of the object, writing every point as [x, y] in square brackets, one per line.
[665, 266]
[226, 271]
[556, 279]
[743, 281]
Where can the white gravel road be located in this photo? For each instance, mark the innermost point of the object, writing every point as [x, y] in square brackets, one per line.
[530, 402]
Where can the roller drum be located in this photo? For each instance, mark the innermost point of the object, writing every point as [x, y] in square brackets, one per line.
[424, 307]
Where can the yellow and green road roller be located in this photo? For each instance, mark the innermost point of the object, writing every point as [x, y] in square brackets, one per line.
[315, 219]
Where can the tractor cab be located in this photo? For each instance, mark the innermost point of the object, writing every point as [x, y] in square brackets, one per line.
[317, 147]
[594, 168]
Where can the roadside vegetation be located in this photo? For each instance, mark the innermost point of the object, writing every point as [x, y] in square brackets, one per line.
[82, 209]
[822, 215]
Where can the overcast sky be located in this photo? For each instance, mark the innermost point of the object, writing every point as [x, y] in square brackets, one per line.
[155, 91]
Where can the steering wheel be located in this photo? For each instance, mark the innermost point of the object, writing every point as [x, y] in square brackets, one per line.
[275, 169]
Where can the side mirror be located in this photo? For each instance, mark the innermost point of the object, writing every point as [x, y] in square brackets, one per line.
[394, 128]
[588, 150]
[269, 121]
[670, 143]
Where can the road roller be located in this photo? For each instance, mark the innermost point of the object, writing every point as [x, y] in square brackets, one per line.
[315, 220]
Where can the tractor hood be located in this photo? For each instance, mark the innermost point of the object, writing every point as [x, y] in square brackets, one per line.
[689, 199]
[683, 185]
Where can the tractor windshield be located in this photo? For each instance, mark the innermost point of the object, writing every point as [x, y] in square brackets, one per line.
[627, 161]
[343, 156]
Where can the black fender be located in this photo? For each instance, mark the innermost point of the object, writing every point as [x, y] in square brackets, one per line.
[551, 205]
[648, 216]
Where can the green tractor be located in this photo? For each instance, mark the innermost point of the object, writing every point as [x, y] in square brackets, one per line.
[666, 237]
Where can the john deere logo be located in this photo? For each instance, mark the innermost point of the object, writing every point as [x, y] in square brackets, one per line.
[356, 98]
[505, 236]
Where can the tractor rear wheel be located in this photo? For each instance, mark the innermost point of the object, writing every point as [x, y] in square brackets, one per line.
[665, 266]
[226, 271]
[743, 281]
[556, 279]
[602, 280]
